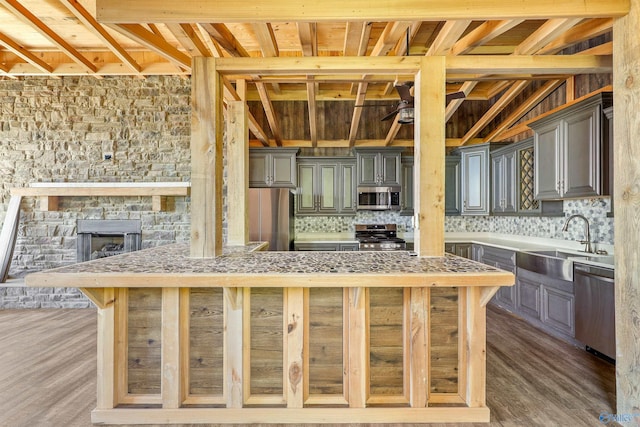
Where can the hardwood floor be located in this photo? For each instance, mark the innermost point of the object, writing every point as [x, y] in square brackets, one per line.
[48, 373]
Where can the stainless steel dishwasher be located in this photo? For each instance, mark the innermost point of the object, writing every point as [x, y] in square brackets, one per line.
[595, 308]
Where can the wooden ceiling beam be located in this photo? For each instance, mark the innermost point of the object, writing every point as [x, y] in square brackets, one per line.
[308, 38]
[393, 130]
[210, 42]
[327, 143]
[159, 45]
[99, 31]
[189, 39]
[357, 113]
[523, 109]
[547, 32]
[127, 11]
[581, 32]
[270, 113]
[402, 48]
[355, 43]
[221, 34]
[266, 39]
[26, 16]
[447, 37]
[313, 112]
[25, 54]
[485, 32]
[255, 128]
[495, 109]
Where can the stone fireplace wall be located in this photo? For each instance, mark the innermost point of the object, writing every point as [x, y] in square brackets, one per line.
[54, 130]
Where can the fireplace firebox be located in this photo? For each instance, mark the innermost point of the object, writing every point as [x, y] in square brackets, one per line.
[103, 238]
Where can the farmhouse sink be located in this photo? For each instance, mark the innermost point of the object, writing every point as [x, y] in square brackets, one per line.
[557, 264]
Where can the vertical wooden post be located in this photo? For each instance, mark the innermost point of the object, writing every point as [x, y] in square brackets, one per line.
[206, 158]
[237, 173]
[429, 152]
[420, 378]
[106, 395]
[626, 127]
[358, 348]
[233, 346]
[472, 330]
[172, 396]
[294, 347]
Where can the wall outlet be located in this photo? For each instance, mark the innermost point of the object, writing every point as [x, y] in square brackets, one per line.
[108, 156]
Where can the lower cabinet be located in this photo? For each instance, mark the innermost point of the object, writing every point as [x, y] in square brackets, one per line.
[460, 249]
[504, 259]
[325, 246]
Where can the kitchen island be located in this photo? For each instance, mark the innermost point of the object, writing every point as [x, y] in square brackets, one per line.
[286, 337]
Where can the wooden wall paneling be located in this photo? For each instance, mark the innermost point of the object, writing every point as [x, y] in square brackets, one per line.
[429, 153]
[358, 368]
[626, 55]
[325, 350]
[107, 363]
[444, 340]
[171, 384]
[419, 348]
[207, 124]
[296, 316]
[237, 173]
[122, 343]
[233, 346]
[185, 348]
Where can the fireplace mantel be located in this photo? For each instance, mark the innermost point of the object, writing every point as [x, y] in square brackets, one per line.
[49, 192]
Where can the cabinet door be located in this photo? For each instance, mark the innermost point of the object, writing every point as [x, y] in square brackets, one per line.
[348, 246]
[475, 182]
[450, 248]
[581, 160]
[306, 199]
[347, 187]
[529, 297]
[258, 169]
[510, 182]
[463, 250]
[452, 186]
[497, 183]
[327, 180]
[406, 195]
[283, 170]
[547, 171]
[368, 170]
[558, 310]
[389, 168]
[506, 295]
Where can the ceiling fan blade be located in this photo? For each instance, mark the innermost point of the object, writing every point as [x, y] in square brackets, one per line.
[404, 90]
[390, 115]
[455, 95]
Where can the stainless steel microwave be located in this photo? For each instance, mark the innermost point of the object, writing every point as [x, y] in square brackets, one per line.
[379, 198]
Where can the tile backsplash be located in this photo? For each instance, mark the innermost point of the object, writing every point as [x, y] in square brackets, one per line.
[595, 210]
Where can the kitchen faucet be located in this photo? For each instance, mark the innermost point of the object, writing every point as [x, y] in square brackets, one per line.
[587, 234]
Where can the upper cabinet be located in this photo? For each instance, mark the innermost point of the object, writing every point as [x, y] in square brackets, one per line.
[512, 175]
[272, 167]
[452, 174]
[572, 148]
[406, 194]
[378, 167]
[475, 179]
[326, 186]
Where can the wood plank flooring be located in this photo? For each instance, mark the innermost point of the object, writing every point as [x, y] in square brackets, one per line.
[48, 373]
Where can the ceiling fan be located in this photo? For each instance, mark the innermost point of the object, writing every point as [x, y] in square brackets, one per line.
[405, 106]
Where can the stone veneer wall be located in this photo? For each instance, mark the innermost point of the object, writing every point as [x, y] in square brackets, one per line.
[59, 130]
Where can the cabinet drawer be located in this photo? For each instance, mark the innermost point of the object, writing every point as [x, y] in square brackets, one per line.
[494, 256]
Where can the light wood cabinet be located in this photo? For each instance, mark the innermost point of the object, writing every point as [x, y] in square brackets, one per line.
[272, 167]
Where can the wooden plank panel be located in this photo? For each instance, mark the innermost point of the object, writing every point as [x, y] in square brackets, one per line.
[419, 347]
[295, 317]
[475, 346]
[444, 340]
[172, 394]
[358, 367]
[144, 341]
[106, 389]
[233, 346]
[205, 342]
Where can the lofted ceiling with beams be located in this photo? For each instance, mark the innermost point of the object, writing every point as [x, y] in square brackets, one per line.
[64, 37]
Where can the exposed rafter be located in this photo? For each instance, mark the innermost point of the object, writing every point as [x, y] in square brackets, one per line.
[447, 37]
[266, 39]
[357, 112]
[547, 32]
[356, 38]
[308, 38]
[225, 38]
[270, 113]
[23, 53]
[313, 112]
[581, 32]
[454, 104]
[189, 40]
[483, 34]
[156, 43]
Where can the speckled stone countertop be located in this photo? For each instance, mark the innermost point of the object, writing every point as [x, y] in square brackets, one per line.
[171, 266]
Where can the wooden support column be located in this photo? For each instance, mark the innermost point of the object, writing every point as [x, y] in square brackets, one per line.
[358, 372]
[233, 346]
[294, 347]
[429, 152]
[420, 354]
[237, 173]
[206, 158]
[472, 333]
[626, 123]
[172, 395]
[106, 395]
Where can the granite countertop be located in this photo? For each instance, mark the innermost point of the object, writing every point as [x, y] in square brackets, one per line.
[171, 266]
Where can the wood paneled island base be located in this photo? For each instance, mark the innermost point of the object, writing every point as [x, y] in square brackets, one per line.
[286, 337]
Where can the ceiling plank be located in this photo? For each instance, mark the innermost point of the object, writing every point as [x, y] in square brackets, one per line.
[581, 32]
[146, 38]
[99, 31]
[447, 37]
[270, 113]
[26, 16]
[454, 104]
[266, 39]
[523, 109]
[25, 54]
[225, 38]
[485, 32]
[313, 112]
[189, 40]
[308, 38]
[544, 35]
[127, 11]
[495, 109]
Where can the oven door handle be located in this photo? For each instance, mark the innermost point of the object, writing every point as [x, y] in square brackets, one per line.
[389, 199]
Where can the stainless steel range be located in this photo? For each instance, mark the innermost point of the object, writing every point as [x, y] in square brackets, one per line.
[379, 237]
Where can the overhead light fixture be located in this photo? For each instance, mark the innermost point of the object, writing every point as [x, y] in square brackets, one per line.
[405, 115]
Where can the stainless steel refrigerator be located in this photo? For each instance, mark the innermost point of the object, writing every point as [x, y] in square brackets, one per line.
[271, 217]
